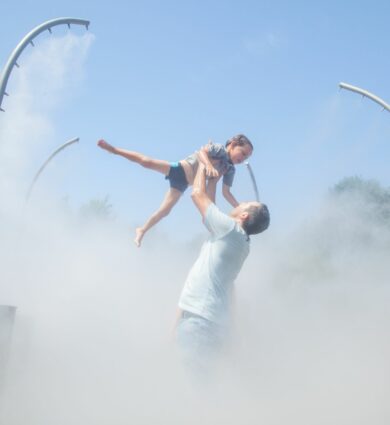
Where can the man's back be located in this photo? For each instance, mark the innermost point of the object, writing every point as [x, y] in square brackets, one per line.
[208, 286]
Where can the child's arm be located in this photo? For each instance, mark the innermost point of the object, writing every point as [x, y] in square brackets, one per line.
[204, 158]
[229, 196]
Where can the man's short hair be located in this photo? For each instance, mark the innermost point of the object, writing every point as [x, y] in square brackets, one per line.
[258, 219]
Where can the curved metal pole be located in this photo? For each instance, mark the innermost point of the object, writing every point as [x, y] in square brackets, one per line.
[46, 162]
[367, 94]
[28, 39]
[7, 319]
[253, 181]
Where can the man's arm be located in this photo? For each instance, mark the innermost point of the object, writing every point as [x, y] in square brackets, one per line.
[179, 314]
[199, 193]
[212, 188]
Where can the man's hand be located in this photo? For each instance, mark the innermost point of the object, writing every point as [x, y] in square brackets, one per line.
[205, 160]
[211, 171]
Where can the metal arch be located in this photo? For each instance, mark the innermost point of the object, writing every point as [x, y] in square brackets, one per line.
[70, 142]
[252, 176]
[28, 39]
[366, 94]
[7, 319]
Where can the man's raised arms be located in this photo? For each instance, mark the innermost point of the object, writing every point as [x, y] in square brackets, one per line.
[199, 192]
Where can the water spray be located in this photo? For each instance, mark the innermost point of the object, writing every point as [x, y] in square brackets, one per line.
[28, 39]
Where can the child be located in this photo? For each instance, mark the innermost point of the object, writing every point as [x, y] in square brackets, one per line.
[219, 161]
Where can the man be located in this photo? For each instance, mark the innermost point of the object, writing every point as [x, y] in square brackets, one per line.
[206, 297]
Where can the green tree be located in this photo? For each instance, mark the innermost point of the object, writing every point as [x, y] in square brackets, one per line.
[347, 239]
[97, 209]
[372, 198]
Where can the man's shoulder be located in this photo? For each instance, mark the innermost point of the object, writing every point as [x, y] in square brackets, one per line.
[212, 209]
[223, 225]
[217, 222]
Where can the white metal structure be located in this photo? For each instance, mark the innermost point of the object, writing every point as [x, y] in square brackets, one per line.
[365, 93]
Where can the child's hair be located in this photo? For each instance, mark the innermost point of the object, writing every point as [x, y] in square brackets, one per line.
[239, 140]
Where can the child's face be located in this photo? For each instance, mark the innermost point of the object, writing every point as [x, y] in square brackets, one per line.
[239, 154]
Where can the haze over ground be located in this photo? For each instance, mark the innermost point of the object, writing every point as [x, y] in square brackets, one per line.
[91, 342]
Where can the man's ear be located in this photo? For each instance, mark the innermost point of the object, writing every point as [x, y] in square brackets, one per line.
[244, 216]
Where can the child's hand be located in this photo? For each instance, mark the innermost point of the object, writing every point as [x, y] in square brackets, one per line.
[211, 171]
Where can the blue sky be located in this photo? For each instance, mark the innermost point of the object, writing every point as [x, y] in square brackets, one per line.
[165, 77]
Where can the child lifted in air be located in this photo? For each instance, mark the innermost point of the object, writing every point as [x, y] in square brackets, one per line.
[219, 160]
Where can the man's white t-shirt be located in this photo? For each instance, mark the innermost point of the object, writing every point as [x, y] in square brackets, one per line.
[207, 290]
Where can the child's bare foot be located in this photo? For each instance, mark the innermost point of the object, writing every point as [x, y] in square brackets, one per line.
[139, 234]
[106, 146]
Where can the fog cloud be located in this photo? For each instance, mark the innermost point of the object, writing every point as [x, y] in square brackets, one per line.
[92, 342]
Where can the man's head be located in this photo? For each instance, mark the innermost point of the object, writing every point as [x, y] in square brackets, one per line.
[252, 216]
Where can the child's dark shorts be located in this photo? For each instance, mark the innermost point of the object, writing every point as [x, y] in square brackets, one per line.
[177, 178]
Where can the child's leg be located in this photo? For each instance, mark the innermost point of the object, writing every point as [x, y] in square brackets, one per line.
[169, 201]
[153, 164]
